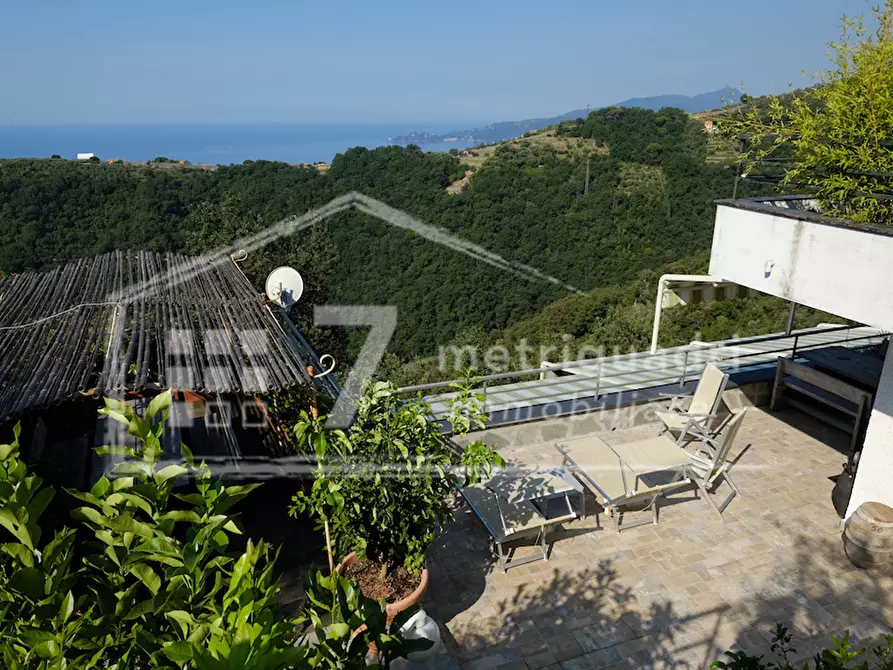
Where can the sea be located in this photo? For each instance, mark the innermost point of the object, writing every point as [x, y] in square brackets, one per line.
[217, 144]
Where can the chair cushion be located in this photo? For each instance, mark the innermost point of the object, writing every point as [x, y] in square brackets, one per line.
[674, 421]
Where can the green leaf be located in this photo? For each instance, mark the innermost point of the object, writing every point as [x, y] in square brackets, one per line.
[147, 576]
[179, 652]
[159, 403]
[232, 527]
[183, 619]
[9, 521]
[101, 487]
[133, 468]
[170, 471]
[66, 609]
[6, 450]
[132, 500]
[115, 415]
[142, 608]
[186, 453]
[243, 565]
[19, 552]
[127, 524]
[336, 631]
[107, 450]
[184, 516]
[39, 503]
[191, 498]
[29, 582]
[159, 545]
[121, 483]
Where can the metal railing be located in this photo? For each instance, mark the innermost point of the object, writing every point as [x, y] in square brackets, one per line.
[667, 366]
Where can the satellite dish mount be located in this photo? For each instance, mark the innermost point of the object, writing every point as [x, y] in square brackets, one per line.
[284, 287]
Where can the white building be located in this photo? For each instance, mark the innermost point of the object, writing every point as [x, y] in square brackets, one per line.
[784, 247]
[85, 157]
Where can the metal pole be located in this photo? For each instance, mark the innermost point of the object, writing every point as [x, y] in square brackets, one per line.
[586, 188]
[794, 350]
[598, 380]
[658, 307]
[684, 371]
[790, 324]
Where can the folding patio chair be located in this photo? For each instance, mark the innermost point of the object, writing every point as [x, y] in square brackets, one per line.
[709, 466]
[704, 405]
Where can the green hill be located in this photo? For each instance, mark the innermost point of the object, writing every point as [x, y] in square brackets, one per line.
[648, 204]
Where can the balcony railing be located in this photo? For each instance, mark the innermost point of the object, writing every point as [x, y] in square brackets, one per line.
[596, 377]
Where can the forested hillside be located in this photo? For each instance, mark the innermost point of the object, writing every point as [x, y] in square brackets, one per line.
[649, 204]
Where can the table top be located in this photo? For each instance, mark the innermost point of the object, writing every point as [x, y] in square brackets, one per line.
[652, 455]
[862, 368]
[535, 486]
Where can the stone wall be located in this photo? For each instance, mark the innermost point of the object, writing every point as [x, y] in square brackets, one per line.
[617, 412]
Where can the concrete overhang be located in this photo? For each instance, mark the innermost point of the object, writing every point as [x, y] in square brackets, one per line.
[785, 247]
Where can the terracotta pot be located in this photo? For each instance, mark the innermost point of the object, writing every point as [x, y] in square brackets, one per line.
[393, 609]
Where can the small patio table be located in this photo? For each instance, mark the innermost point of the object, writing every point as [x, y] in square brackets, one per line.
[537, 489]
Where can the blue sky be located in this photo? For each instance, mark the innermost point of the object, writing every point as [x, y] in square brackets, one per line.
[393, 60]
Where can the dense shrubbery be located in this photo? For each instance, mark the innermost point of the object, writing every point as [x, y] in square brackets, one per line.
[147, 577]
[839, 133]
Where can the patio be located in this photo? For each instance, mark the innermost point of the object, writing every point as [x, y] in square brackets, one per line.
[678, 594]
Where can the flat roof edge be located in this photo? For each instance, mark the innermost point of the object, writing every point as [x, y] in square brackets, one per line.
[765, 205]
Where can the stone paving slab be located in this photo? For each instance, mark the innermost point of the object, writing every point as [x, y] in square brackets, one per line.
[677, 594]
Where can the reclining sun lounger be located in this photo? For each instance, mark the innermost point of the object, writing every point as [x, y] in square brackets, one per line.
[615, 483]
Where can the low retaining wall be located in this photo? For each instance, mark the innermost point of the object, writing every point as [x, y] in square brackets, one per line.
[614, 412]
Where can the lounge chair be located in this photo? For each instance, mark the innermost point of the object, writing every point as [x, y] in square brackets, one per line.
[506, 522]
[710, 465]
[615, 484]
[701, 412]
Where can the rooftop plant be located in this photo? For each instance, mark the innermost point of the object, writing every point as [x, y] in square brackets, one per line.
[839, 655]
[156, 584]
[381, 488]
[840, 132]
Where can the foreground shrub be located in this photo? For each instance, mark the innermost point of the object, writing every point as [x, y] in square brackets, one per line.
[142, 582]
[840, 656]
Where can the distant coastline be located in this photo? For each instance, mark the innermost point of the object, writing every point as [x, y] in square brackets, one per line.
[504, 130]
[205, 144]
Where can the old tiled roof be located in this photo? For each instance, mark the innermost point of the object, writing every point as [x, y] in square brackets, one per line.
[137, 321]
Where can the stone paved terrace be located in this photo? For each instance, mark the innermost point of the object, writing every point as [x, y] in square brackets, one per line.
[678, 594]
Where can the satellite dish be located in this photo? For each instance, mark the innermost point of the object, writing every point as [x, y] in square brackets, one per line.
[284, 286]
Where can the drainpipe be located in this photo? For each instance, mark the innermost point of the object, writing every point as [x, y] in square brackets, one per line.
[662, 285]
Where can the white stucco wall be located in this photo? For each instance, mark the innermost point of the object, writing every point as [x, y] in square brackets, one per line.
[874, 477]
[841, 270]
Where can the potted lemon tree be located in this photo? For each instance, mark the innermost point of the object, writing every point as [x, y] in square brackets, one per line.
[381, 488]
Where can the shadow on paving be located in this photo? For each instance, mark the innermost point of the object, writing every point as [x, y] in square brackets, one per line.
[823, 595]
[589, 619]
[585, 618]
